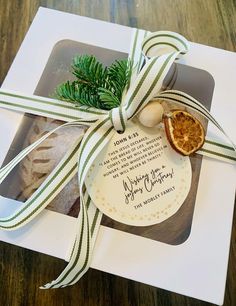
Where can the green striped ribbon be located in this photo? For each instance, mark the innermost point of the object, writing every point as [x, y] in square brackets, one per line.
[152, 54]
[211, 148]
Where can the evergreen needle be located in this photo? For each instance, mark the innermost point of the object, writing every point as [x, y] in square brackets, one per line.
[95, 85]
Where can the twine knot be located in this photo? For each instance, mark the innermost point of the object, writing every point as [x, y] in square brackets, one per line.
[118, 118]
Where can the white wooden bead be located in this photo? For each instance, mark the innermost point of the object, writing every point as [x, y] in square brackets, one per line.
[151, 114]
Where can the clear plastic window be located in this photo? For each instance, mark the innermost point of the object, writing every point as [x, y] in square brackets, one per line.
[33, 170]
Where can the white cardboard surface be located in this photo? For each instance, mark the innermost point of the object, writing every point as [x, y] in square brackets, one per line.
[195, 268]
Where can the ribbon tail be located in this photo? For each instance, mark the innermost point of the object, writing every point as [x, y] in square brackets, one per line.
[94, 140]
[87, 228]
[54, 183]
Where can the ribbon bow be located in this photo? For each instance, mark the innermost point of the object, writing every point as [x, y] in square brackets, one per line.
[159, 51]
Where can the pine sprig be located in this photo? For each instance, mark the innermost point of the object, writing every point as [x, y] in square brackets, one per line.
[95, 85]
[89, 71]
[119, 74]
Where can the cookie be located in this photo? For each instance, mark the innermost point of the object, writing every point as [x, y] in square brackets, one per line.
[38, 164]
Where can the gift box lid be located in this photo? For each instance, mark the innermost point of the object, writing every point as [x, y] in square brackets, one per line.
[196, 267]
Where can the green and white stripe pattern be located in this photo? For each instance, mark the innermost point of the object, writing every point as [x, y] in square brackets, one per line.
[46, 107]
[219, 150]
[160, 50]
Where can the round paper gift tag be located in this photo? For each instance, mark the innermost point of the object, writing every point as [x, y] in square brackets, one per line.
[138, 179]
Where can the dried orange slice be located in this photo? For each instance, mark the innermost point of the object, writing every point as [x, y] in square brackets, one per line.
[184, 132]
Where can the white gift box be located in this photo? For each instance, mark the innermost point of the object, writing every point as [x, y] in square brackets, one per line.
[197, 266]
